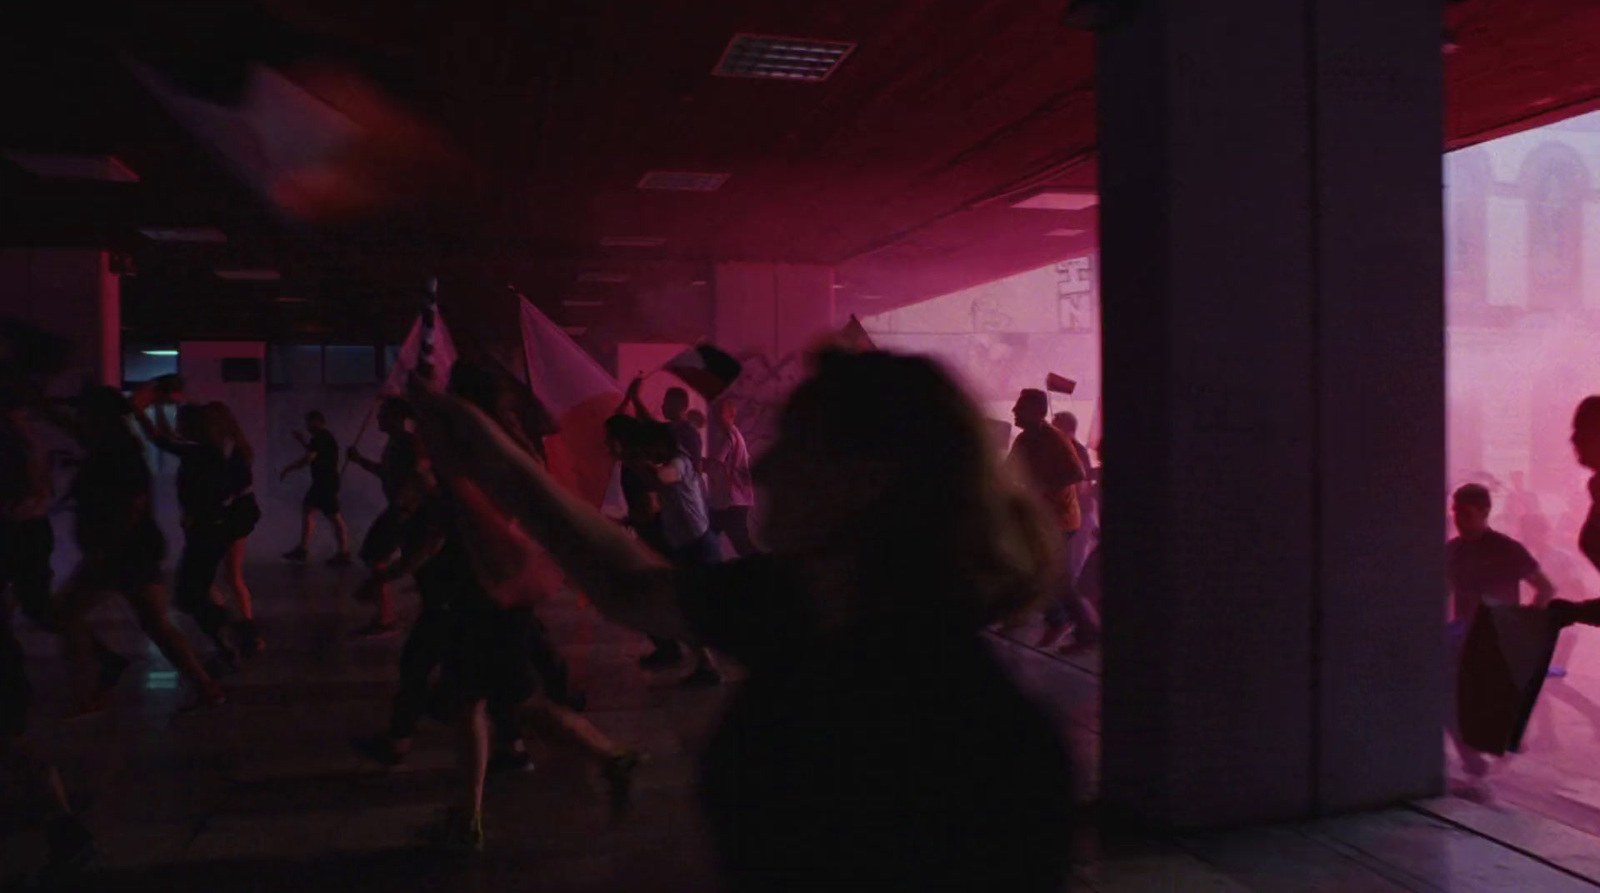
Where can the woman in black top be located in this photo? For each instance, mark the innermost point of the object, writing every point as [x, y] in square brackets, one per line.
[122, 546]
[204, 485]
[877, 743]
[241, 513]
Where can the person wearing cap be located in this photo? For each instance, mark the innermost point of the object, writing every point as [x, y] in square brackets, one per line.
[1044, 459]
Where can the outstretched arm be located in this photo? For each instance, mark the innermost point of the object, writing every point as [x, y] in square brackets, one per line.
[627, 582]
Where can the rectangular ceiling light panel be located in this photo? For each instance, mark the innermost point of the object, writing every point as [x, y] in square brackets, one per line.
[1059, 200]
[682, 181]
[781, 58]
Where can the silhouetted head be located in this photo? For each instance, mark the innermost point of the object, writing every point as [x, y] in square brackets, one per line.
[1066, 423]
[1031, 409]
[316, 421]
[1586, 433]
[882, 464]
[1470, 507]
[674, 404]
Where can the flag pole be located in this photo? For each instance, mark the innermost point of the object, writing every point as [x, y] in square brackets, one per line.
[430, 313]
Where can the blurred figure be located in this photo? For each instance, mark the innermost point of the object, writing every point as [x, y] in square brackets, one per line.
[1586, 445]
[489, 660]
[1565, 574]
[70, 846]
[732, 491]
[1042, 456]
[204, 487]
[1083, 543]
[122, 547]
[1484, 567]
[401, 459]
[27, 539]
[878, 744]
[241, 514]
[322, 456]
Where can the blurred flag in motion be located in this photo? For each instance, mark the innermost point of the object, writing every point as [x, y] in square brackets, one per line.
[581, 395]
[706, 369]
[1503, 665]
[443, 356]
[1059, 384]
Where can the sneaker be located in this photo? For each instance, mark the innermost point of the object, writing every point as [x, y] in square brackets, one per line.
[619, 771]
[380, 749]
[704, 676]
[342, 559]
[376, 630]
[661, 658]
[295, 554]
[455, 832]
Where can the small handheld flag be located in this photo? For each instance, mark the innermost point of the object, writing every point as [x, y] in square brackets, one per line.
[1058, 384]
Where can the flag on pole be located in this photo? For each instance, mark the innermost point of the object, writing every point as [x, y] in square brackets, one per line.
[1503, 665]
[706, 369]
[442, 355]
[853, 336]
[581, 395]
[1059, 384]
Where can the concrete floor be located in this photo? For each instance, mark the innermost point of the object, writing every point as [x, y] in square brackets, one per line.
[266, 793]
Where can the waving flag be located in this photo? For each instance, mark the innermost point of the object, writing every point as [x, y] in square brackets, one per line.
[580, 394]
[442, 356]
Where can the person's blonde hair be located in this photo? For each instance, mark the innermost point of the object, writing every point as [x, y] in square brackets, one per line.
[952, 535]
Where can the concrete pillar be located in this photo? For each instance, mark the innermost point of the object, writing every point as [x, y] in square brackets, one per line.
[1273, 319]
[771, 309]
[71, 292]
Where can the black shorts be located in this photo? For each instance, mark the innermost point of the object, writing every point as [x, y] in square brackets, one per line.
[384, 537]
[240, 518]
[488, 659]
[322, 498]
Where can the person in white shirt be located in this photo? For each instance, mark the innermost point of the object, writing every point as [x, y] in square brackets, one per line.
[733, 494]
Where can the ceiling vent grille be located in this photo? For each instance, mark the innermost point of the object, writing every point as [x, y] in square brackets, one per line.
[682, 181]
[781, 58]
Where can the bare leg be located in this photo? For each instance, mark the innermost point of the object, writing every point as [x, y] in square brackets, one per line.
[343, 533]
[76, 600]
[150, 606]
[234, 569]
[474, 745]
[563, 726]
[308, 525]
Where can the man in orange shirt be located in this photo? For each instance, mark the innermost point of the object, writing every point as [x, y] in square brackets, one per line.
[1045, 458]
